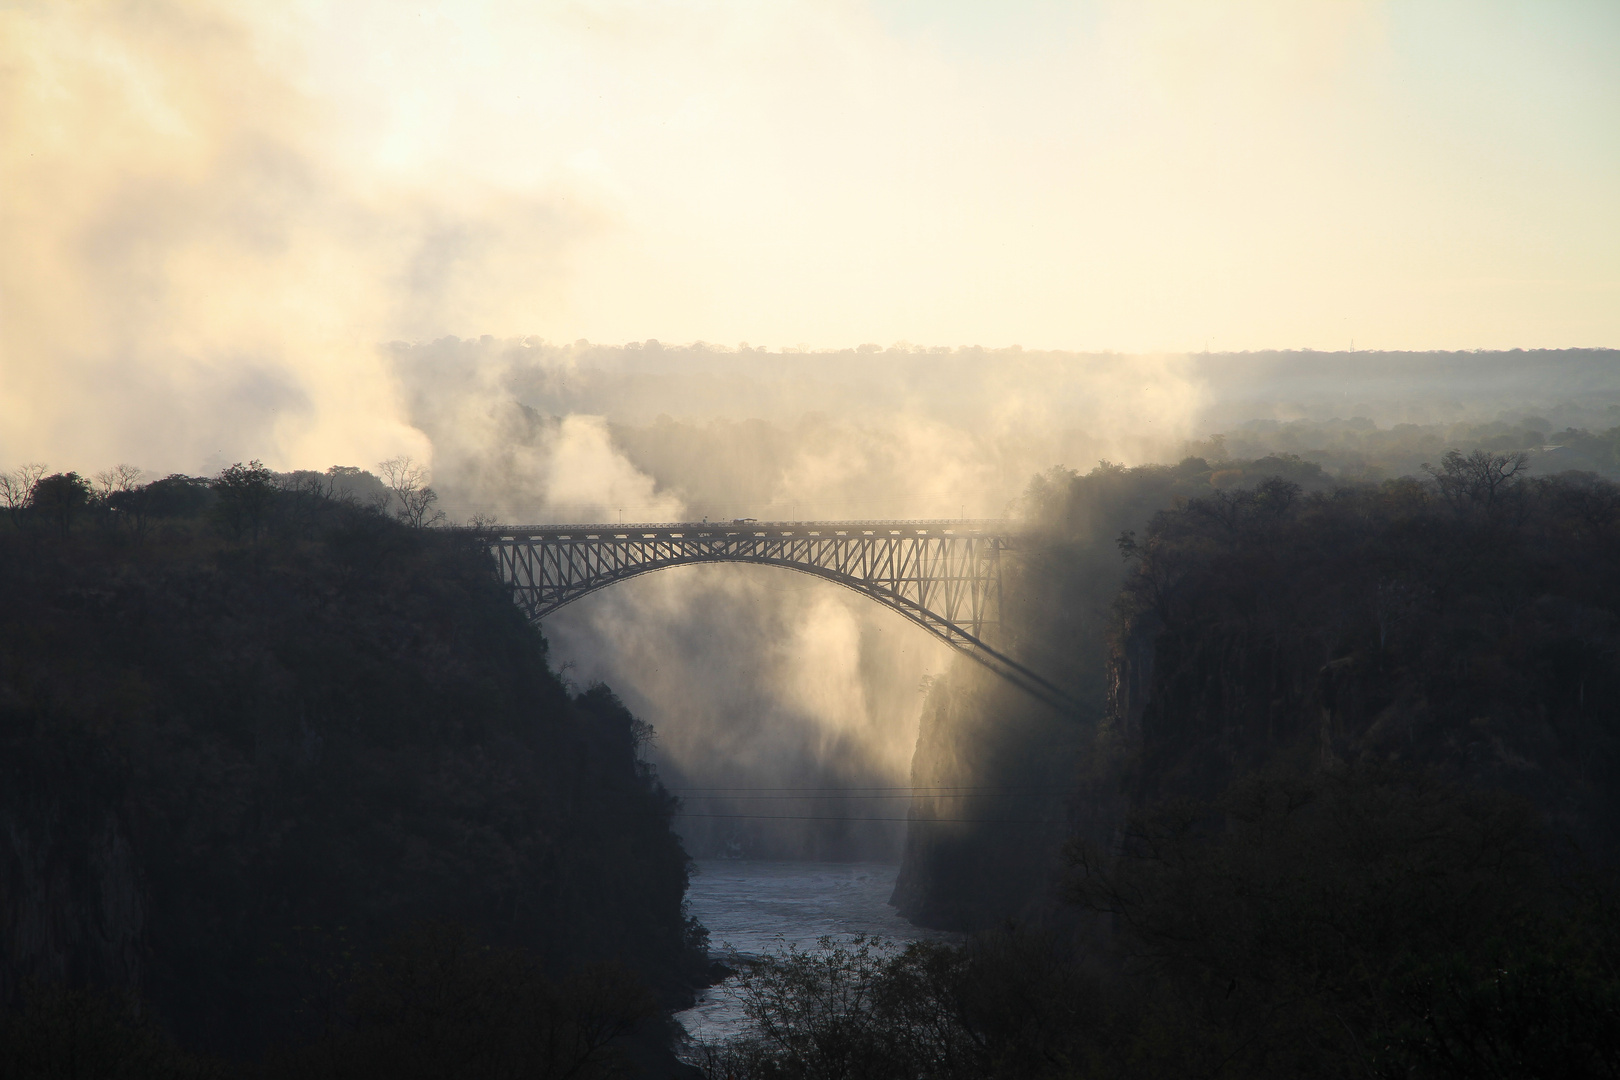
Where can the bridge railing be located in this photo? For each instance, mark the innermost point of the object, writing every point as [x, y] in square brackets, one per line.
[943, 574]
[743, 527]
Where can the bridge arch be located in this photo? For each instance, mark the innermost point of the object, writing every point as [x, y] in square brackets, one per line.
[943, 576]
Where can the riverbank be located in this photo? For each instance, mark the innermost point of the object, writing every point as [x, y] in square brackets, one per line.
[752, 908]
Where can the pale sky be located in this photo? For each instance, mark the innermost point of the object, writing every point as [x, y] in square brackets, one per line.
[1126, 176]
[212, 202]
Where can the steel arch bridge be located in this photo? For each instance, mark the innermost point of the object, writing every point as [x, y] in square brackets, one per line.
[945, 576]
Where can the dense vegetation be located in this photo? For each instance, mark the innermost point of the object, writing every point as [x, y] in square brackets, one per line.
[1467, 624]
[1341, 797]
[252, 731]
[1355, 922]
[1352, 808]
[994, 856]
[1358, 449]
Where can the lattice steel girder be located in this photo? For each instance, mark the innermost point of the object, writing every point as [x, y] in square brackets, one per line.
[945, 576]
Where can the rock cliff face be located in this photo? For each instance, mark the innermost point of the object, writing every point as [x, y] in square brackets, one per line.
[74, 894]
[1005, 773]
[992, 770]
[227, 767]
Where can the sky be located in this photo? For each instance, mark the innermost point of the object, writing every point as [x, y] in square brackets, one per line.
[212, 215]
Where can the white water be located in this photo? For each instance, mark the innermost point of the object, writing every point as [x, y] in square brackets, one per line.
[753, 908]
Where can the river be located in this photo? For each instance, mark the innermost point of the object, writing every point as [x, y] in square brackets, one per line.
[752, 908]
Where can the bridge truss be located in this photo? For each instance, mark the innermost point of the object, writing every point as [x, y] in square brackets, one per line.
[945, 576]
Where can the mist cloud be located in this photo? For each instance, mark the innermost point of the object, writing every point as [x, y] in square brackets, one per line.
[759, 677]
[214, 212]
[195, 270]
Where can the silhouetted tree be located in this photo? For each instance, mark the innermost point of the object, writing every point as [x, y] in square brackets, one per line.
[59, 497]
[408, 481]
[1480, 480]
[245, 494]
[177, 496]
[17, 490]
[111, 495]
[121, 477]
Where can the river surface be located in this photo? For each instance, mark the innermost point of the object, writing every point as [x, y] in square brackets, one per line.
[753, 908]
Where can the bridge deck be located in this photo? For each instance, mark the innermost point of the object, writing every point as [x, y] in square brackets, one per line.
[942, 575]
[689, 530]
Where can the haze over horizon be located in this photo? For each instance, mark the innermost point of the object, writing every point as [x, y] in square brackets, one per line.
[216, 213]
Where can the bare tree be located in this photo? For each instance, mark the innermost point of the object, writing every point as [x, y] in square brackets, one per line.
[116, 479]
[113, 492]
[306, 482]
[408, 481]
[1481, 480]
[17, 489]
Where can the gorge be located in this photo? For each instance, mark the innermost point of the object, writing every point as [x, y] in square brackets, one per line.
[271, 752]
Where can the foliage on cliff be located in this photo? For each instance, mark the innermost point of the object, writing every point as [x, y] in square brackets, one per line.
[1469, 624]
[1355, 922]
[1353, 813]
[1383, 605]
[249, 730]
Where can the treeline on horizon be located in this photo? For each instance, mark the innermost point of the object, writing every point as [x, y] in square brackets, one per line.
[1357, 449]
[242, 499]
[1517, 355]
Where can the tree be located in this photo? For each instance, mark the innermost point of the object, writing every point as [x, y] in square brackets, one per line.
[1480, 480]
[1588, 499]
[175, 496]
[59, 497]
[245, 493]
[17, 489]
[117, 495]
[408, 481]
[118, 478]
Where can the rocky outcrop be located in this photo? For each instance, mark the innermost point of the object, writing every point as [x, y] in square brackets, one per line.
[992, 772]
[74, 898]
[1015, 774]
